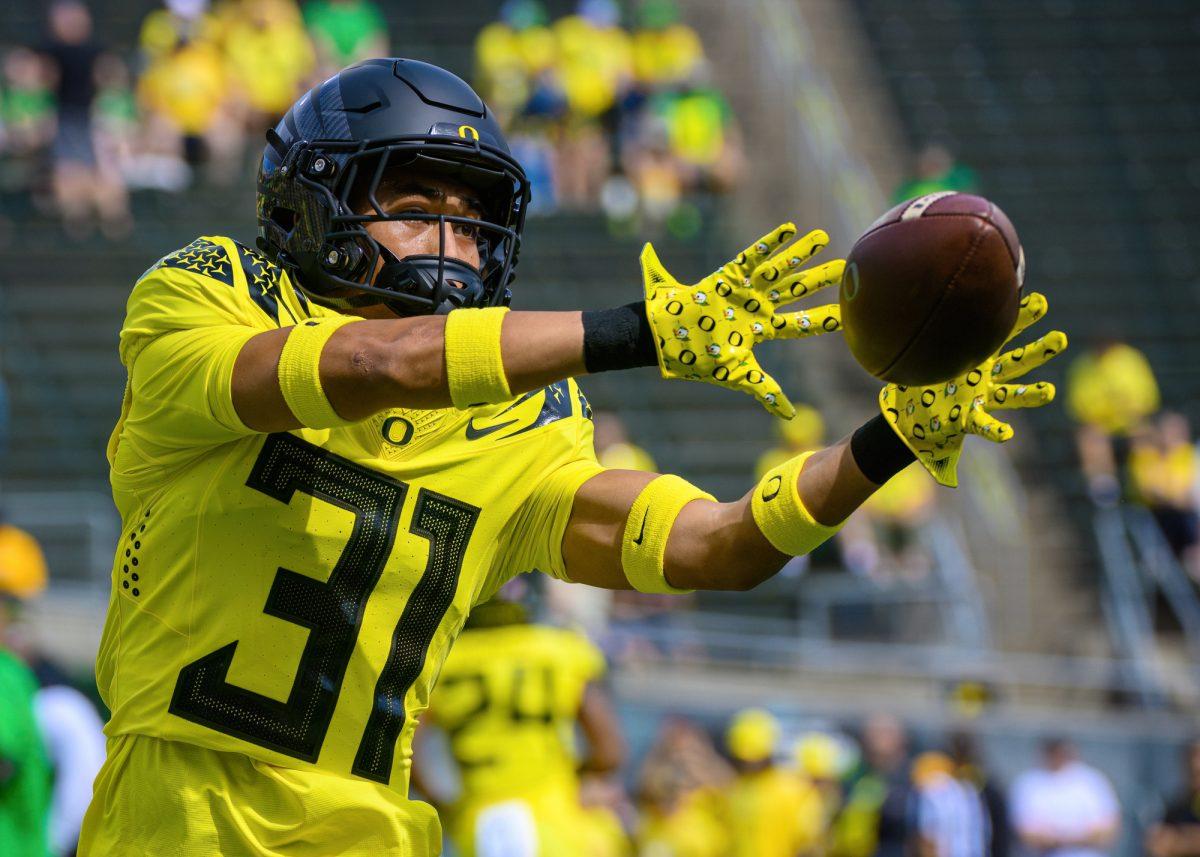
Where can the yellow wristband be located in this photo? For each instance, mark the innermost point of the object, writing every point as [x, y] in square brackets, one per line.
[780, 514]
[300, 372]
[474, 370]
[644, 546]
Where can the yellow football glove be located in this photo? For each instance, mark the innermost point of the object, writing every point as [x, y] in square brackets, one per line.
[933, 421]
[706, 331]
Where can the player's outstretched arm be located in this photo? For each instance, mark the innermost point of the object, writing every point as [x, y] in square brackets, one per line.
[660, 534]
[704, 331]
[373, 365]
[621, 525]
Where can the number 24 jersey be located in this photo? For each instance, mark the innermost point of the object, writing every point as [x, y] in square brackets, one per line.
[292, 596]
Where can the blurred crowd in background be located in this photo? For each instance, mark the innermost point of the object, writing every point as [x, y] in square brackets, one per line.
[602, 116]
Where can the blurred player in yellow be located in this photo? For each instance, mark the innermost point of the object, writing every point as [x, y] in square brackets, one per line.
[330, 449]
[772, 811]
[508, 699]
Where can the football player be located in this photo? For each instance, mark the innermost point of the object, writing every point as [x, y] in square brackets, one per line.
[332, 446]
[508, 700]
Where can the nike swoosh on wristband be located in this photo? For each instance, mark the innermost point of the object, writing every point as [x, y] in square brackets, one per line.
[642, 533]
[473, 433]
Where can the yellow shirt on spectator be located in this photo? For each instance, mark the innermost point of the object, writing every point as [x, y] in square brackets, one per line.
[161, 31]
[1161, 476]
[696, 124]
[592, 63]
[694, 828]
[1112, 390]
[773, 813]
[270, 55]
[666, 56]
[188, 86]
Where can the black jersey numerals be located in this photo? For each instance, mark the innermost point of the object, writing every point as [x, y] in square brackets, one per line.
[333, 610]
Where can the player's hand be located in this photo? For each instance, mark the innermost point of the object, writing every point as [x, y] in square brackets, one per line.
[706, 331]
[934, 421]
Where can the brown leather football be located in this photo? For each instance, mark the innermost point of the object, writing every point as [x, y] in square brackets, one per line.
[931, 289]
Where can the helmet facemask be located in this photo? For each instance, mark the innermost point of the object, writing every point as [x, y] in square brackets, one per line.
[347, 268]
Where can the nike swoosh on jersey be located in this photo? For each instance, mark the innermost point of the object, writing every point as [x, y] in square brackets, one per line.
[473, 433]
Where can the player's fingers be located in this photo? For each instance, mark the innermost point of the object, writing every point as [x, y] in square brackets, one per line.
[808, 322]
[982, 423]
[801, 284]
[1010, 396]
[772, 270]
[1013, 364]
[1033, 307]
[761, 250]
[772, 397]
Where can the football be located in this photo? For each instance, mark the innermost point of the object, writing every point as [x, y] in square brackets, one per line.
[931, 289]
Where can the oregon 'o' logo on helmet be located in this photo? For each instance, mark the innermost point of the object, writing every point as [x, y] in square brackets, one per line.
[466, 131]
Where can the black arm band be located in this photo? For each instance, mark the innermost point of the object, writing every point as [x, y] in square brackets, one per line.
[878, 451]
[618, 338]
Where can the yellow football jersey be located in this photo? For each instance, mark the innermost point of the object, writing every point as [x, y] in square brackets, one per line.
[291, 597]
[508, 700]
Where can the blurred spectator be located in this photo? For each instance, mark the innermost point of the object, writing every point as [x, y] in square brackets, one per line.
[680, 789]
[1110, 391]
[345, 32]
[876, 819]
[1178, 833]
[269, 56]
[115, 121]
[510, 54]
[24, 773]
[593, 65]
[970, 770]
[1112, 388]
[823, 760]
[936, 170]
[26, 117]
[665, 50]
[68, 723]
[180, 21]
[81, 189]
[607, 815]
[594, 61]
[702, 133]
[772, 812]
[950, 817]
[22, 564]
[1065, 808]
[1162, 475]
[183, 92]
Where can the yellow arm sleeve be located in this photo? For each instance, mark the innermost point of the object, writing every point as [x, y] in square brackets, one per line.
[537, 530]
[182, 388]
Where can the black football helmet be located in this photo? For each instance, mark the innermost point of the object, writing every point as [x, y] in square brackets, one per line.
[329, 154]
